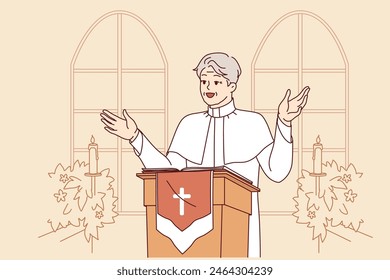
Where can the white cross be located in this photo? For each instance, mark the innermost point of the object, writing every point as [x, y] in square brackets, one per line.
[181, 196]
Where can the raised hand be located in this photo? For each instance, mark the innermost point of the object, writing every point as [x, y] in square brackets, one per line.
[289, 109]
[125, 127]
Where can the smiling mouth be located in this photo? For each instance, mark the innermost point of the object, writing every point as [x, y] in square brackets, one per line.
[210, 94]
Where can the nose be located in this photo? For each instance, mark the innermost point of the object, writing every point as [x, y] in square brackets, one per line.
[208, 84]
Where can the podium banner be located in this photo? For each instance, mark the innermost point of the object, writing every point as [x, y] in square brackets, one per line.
[184, 206]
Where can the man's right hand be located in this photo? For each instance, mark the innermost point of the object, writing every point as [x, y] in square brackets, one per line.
[125, 127]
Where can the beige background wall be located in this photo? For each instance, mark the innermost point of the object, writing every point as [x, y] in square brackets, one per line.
[38, 39]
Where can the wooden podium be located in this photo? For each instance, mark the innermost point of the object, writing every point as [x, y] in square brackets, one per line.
[232, 197]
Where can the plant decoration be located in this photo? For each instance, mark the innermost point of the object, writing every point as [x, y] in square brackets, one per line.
[82, 199]
[328, 198]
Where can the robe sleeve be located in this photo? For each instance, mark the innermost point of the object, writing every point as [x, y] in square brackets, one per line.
[151, 157]
[276, 159]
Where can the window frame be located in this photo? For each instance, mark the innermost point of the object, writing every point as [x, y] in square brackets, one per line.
[299, 149]
[119, 71]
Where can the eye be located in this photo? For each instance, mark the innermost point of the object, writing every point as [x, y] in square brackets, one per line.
[203, 82]
[217, 82]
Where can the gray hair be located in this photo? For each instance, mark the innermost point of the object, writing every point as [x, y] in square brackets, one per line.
[223, 64]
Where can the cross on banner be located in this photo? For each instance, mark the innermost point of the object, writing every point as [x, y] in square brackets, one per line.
[191, 188]
[182, 196]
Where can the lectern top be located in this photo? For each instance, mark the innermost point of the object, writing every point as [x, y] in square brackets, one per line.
[218, 172]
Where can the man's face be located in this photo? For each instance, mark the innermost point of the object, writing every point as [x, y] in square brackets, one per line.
[214, 88]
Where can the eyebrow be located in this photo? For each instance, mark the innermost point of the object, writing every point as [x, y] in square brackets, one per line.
[215, 75]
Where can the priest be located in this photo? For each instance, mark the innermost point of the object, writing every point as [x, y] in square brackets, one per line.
[222, 135]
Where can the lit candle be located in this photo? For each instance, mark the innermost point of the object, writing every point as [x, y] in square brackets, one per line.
[317, 156]
[93, 156]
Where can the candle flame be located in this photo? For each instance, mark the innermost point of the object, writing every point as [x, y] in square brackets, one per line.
[318, 139]
[92, 139]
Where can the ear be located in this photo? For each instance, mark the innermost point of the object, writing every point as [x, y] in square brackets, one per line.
[233, 87]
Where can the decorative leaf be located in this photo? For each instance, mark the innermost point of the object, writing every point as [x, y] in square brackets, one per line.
[353, 224]
[318, 217]
[329, 196]
[58, 223]
[313, 201]
[97, 201]
[306, 182]
[301, 202]
[319, 231]
[312, 212]
[351, 170]
[91, 229]
[333, 177]
[73, 183]
[82, 197]
[336, 220]
[58, 171]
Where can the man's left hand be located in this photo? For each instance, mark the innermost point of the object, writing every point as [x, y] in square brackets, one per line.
[289, 109]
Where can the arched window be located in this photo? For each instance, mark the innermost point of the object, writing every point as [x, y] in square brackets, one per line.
[301, 49]
[119, 64]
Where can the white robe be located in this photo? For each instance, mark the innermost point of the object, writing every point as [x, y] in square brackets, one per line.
[237, 139]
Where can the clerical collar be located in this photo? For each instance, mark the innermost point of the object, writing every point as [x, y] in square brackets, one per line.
[222, 111]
